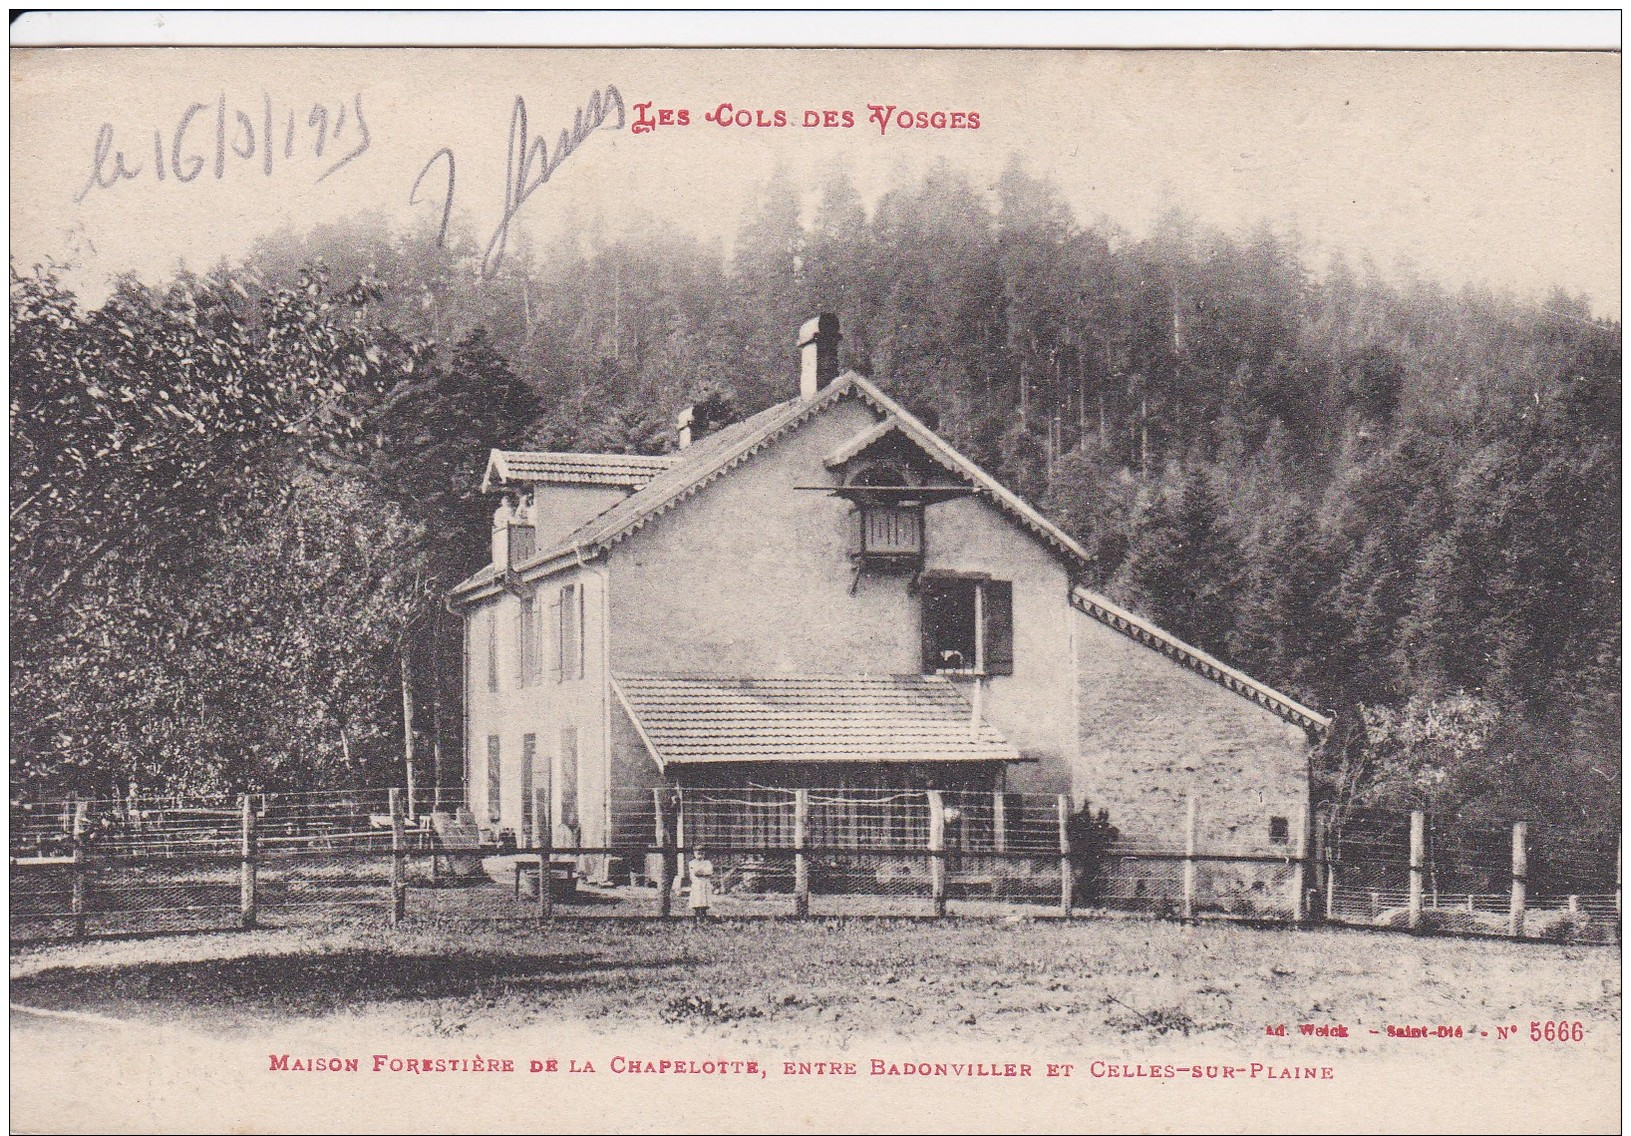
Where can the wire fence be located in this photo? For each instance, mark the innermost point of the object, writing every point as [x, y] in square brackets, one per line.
[145, 865]
[1416, 871]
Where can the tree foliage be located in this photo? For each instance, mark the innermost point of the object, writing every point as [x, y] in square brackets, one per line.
[1398, 503]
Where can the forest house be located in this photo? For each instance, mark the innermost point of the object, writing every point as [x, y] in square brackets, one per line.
[827, 594]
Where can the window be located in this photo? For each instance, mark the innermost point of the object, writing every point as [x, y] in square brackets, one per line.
[568, 814]
[1279, 830]
[968, 626]
[529, 754]
[495, 780]
[528, 638]
[569, 633]
[492, 649]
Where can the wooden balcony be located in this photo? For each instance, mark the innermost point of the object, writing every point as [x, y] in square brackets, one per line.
[891, 534]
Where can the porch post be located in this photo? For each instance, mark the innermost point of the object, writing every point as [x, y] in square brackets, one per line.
[801, 863]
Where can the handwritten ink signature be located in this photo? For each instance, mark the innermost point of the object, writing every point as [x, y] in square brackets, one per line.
[524, 155]
[235, 135]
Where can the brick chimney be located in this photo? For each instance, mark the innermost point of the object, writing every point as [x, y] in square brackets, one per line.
[683, 423]
[818, 354]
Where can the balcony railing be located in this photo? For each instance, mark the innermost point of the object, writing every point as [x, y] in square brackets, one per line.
[891, 533]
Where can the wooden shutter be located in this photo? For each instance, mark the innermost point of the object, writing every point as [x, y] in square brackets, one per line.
[492, 649]
[569, 776]
[529, 754]
[570, 607]
[495, 781]
[998, 603]
[581, 635]
[554, 648]
[526, 640]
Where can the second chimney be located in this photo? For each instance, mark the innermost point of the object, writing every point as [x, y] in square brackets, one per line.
[818, 354]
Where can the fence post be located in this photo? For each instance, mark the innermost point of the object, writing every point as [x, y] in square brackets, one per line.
[937, 852]
[399, 887]
[1299, 874]
[78, 879]
[544, 833]
[1189, 856]
[1063, 809]
[1330, 872]
[1418, 859]
[1520, 877]
[665, 866]
[801, 862]
[247, 899]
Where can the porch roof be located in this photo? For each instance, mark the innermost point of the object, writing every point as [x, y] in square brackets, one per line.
[852, 718]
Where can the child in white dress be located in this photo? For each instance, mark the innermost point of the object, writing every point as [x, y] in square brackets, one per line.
[702, 884]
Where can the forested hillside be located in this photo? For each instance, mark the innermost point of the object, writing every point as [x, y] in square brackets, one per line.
[238, 499]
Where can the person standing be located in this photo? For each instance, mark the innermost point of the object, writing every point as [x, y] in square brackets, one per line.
[702, 884]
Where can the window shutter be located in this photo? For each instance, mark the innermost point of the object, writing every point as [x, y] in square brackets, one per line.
[495, 781]
[556, 635]
[492, 649]
[931, 658]
[529, 754]
[568, 814]
[580, 626]
[525, 647]
[998, 602]
[569, 619]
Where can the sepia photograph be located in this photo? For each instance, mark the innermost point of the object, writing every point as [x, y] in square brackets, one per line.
[730, 587]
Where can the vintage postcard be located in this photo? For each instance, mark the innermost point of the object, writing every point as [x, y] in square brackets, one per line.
[801, 589]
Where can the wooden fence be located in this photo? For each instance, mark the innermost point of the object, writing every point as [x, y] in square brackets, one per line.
[93, 867]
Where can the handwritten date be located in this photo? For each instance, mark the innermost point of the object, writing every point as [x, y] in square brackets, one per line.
[183, 149]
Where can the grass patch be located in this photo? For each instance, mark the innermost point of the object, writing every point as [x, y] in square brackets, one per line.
[1039, 983]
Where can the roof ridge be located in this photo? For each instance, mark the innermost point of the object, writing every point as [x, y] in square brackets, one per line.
[794, 676]
[590, 455]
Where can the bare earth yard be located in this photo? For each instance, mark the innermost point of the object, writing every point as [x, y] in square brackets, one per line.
[211, 1010]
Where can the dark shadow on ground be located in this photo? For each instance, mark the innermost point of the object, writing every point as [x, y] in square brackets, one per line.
[313, 984]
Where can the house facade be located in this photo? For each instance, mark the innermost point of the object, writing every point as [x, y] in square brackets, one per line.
[826, 594]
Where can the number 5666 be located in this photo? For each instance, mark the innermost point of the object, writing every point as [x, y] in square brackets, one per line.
[1557, 1031]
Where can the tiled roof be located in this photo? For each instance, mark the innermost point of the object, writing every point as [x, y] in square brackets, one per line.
[1147, 633]
[687, 471]
[528, 467]
[700, 464]
[808, 718]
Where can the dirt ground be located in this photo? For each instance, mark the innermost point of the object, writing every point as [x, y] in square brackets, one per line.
[1140, 995]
